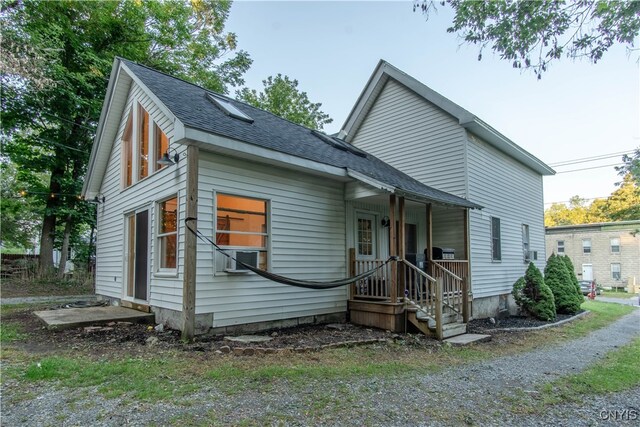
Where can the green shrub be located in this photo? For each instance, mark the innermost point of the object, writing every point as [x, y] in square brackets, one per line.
[572, 272]
[533, 295]
[557, 277]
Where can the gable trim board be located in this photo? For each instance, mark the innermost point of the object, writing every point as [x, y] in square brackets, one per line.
[415, 129]
[385, 71]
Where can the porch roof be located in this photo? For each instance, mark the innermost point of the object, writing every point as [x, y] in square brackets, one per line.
[192, 106]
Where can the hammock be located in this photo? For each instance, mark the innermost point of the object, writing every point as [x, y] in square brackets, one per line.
[308, 284]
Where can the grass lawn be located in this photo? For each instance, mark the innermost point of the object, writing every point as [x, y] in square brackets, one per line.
[615, 294]
[168, 374]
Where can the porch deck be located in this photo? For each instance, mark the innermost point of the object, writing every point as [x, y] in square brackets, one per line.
[437, 303]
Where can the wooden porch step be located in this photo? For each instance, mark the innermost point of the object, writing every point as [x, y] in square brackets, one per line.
[453, 329]
[427, 326]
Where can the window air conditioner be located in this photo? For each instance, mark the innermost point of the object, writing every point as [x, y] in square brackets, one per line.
[247, 257]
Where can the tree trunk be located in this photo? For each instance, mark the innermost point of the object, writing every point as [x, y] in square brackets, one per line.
[64, 255]
[45, 260]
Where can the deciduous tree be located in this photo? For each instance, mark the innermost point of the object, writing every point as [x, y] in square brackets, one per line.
[282, 97]
[533, 34]
[49, 116]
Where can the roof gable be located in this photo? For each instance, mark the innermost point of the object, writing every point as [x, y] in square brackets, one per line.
[193, 108]
[385, 71]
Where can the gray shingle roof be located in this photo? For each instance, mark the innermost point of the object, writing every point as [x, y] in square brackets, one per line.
[189, 103]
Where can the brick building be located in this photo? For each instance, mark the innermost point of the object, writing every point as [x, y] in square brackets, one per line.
[606, 252]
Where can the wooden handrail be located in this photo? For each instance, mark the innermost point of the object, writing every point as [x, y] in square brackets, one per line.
[449, 272]
[413, 267]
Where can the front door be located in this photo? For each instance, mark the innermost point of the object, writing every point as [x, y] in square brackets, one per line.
[587, 271]
[137, 250]
[366, 237]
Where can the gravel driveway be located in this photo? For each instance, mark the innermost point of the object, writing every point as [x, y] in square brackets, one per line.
[475, 394]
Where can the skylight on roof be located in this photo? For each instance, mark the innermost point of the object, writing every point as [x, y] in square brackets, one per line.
[338, 143]
[229, 109]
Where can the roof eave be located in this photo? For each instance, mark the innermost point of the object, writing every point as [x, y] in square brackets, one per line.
[87, 191]
[504, 144]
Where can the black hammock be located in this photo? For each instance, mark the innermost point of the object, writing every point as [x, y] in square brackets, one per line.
[308, 284]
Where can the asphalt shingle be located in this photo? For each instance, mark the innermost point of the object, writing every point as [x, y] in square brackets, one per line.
[190, 104]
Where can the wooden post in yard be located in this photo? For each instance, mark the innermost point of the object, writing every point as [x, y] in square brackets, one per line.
[401, 245]
[393, 241]
[190, 247]
[352, 270]
[429, 253]
[439, 292]
[466, 284]
[465, 300]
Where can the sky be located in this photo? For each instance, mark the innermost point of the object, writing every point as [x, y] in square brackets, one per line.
[577, 110]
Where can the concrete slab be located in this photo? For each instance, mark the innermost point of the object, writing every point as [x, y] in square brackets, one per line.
[249, 338]
[68, 318]
[466, 339]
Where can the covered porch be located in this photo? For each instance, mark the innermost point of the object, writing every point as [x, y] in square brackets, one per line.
[422, 250]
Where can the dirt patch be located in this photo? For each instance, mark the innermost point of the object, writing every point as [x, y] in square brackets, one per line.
[117, 338]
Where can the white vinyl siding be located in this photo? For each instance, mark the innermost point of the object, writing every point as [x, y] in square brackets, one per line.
[163, 291]
[307, 241]
[513, 192]
[416, 137]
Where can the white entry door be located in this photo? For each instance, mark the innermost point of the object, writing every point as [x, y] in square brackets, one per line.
[587, 271]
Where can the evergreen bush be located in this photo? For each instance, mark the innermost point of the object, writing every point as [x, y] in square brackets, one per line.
[572, 272]
[557, 277]
[533, 295]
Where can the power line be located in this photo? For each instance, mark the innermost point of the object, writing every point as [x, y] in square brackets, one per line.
[593, 167]
[590, 159]
[581, 198]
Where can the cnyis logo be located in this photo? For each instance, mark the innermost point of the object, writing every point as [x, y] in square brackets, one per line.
[620, 415]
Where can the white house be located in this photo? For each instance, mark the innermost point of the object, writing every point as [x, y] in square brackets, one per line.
[302, 205]
[420, 132]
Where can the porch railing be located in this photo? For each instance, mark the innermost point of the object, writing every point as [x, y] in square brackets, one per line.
[455, 289]
[419, 286]
[376, 287]
[441, 291]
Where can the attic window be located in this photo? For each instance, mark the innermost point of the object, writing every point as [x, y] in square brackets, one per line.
[338, 143]
[229, 109]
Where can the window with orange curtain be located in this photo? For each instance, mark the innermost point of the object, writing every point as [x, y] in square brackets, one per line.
[162, 146]
[241, 223]
[127, 152]
[143, 143]
[168, 234]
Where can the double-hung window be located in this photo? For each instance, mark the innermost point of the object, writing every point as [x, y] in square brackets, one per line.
[242, 225]
[586, 246]
[526, 249]
[560, 247]
[615, 245]
[143, 144]
[496, 244]
[167, 234]
[615, 271]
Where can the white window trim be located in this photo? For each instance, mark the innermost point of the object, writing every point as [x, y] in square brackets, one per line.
[269, 233]
[590, 247]
[619, 271]
[526, 244]
[157, 270]
[134, 108]
[563, 247]
[491, 237]
[611, 245]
